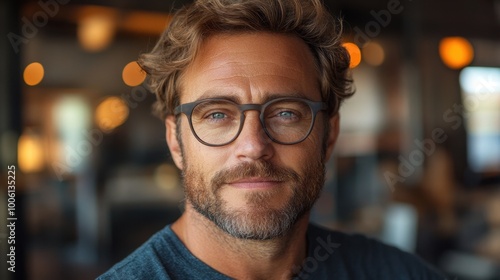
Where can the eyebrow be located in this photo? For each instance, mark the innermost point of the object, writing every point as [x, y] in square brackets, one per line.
[272, 96]
[234, 97]
[229, 95]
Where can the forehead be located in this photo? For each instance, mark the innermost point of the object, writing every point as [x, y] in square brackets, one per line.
[250, 67]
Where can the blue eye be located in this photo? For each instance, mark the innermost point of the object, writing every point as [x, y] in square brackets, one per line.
[217, 115]
[286, 114]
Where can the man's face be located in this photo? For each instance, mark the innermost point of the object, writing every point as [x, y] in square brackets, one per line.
[252, 187]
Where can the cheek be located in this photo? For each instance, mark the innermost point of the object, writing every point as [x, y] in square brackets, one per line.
[199, 158]
[315, 142]
[300, 156]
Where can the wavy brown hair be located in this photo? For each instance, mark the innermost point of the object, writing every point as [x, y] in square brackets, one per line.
[307, 19]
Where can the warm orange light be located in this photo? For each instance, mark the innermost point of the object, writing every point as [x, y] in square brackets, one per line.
[30, 153]
[132, 74]
[167, 177]
[111, 113]
[354, 52]
[96, 28]
[373, 53]
[33, 74]
[456, 52]
[141, 22]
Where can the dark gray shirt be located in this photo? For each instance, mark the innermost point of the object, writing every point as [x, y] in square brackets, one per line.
[331, 255]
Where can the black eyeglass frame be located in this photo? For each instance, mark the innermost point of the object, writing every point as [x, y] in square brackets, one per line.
[187, 109]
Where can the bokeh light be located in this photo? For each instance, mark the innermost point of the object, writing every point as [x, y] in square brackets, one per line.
[167, 177]
[132, 74]
[111, 113]
[33, 74]
[355, 54]
[373, 53]
[456, 52]
[30, 155]
[96, 31]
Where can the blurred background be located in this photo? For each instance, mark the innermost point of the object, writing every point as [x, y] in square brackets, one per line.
[417, 163]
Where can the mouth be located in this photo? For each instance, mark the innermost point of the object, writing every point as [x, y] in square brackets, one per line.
[255, 183]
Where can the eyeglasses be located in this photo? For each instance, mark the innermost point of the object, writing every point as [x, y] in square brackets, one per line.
[218, 122]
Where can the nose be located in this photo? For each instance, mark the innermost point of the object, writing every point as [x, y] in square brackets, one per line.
[253, 142]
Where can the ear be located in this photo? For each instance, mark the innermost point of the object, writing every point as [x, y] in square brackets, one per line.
[332, 137]
[173, 143]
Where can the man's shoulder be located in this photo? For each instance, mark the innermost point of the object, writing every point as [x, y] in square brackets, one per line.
[163, 256]
[350, 243]
[355, 256]
[146, 262]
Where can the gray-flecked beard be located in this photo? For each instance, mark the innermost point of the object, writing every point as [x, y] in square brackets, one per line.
[267, 221]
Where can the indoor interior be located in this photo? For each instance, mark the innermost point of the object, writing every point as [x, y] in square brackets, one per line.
[416, 165]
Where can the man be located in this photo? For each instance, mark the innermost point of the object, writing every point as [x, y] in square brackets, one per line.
[250, 92]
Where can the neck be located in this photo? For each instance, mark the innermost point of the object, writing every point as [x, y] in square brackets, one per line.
[242, 258]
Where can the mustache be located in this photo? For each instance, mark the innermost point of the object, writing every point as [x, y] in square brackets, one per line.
[262, 169]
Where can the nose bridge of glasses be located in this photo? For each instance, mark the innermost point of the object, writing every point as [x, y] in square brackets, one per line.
[262, 134]
[251, 107]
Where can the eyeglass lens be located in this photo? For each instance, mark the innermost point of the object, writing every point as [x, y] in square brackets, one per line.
[218, 122]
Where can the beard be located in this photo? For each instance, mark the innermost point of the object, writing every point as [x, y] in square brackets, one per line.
[263, 221]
